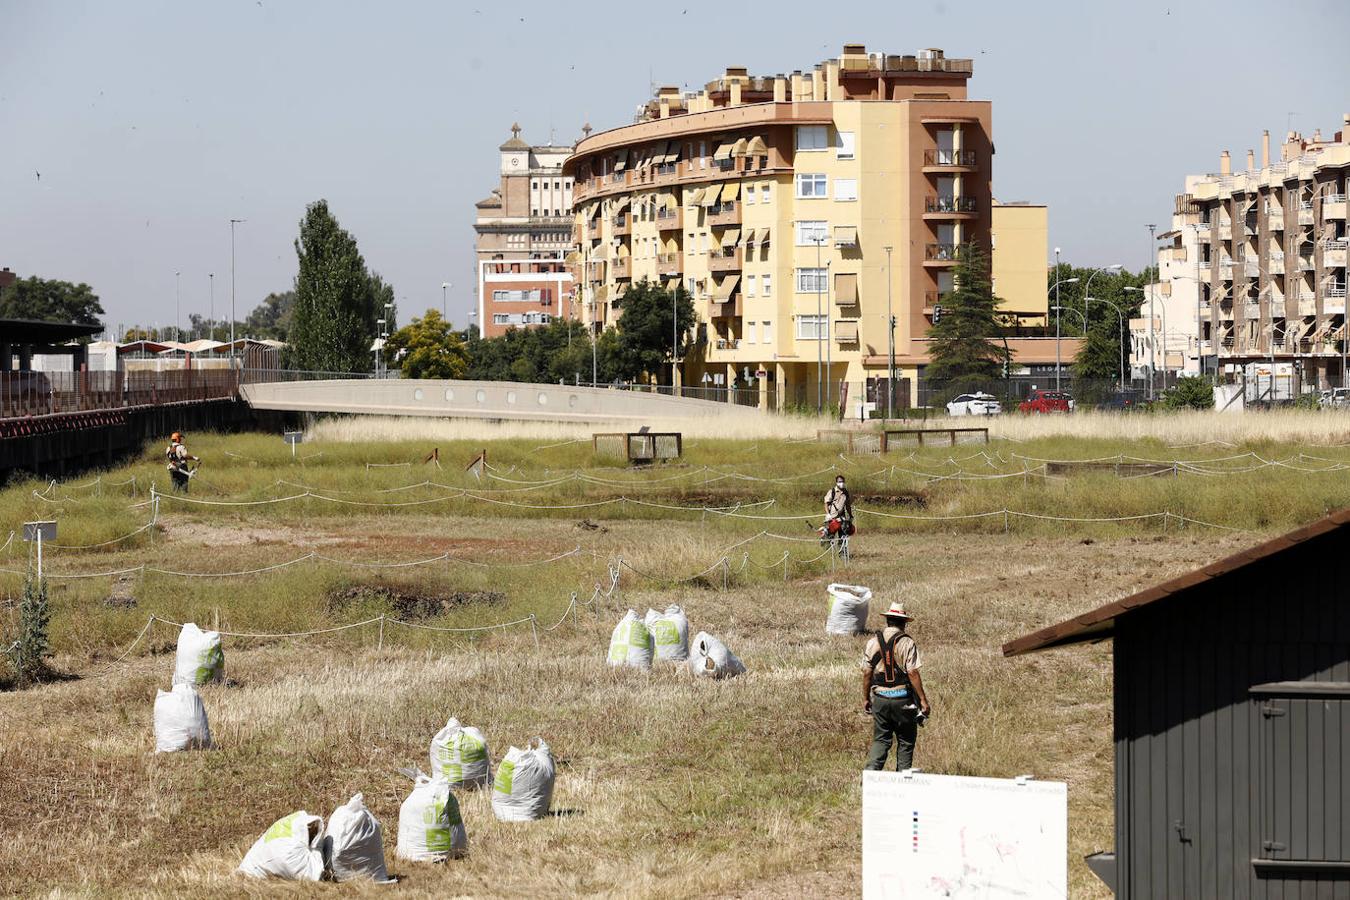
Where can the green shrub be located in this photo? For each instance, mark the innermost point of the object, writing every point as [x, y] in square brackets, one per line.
[29, 652]
[1190, 392]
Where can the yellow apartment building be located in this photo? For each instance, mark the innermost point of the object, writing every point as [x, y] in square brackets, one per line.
[796, 209]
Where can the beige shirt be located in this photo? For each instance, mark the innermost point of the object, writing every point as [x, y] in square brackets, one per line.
[835, 503]
[906, 652]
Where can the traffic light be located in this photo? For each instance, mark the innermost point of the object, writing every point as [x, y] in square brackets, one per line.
[937, 314]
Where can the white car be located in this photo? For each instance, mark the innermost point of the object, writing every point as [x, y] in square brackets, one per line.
[1337, 398]
[977, 404]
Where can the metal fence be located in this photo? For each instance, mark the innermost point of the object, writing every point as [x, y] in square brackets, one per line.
[52, 393]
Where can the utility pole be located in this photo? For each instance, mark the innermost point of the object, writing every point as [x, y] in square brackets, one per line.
[890, 341]
[675, 340]
[233, 222]
[820, 406]
[212, 324]
[177, 309]
[1058, 365]
[1152, 301]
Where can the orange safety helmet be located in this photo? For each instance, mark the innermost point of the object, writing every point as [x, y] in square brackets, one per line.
[175, 437]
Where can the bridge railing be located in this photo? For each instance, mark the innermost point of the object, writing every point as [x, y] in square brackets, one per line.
[249, 375]
[25, 394]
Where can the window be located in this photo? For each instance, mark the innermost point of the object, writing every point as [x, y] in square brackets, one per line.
[501, 319]
[811, 232]
[767, 282]
[533, 295]
[749, 332]
[812, 281]
[812, 137]
[846, 189]
[749, 285]
[749, 194]
[703, 154]
[811, 184]
[811, 328]
[844, 145]
[534, 185]
[767, 333]
[764, 192]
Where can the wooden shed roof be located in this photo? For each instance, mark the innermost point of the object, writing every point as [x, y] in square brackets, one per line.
[1100, 622]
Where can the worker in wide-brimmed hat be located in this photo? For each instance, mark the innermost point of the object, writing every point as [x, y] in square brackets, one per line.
[893, 690]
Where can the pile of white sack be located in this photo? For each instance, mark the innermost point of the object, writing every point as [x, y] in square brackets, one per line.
[299, 848]
[637, 641]
[459, 754]
[848, 609]
[180, 715]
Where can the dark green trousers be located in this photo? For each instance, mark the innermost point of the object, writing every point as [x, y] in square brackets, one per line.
[891, 721]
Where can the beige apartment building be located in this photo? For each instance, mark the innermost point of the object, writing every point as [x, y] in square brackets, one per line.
[794, 209]
[1271, 266]
[523, 233]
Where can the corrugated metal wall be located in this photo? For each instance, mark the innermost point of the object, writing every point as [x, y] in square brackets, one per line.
[1209, 776]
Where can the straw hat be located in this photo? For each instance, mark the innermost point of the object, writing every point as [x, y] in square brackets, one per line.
[897, 609]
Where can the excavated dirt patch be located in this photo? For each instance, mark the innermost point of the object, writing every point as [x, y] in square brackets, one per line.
[409, 605]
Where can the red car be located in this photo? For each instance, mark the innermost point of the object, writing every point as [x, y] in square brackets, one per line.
[1046, 402]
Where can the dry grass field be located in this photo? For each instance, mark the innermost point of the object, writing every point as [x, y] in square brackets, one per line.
[667, 786]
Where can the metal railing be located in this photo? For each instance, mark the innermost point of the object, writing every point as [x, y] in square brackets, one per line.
[965, 158]
[950, 204]
[54, 393]
[941, 252]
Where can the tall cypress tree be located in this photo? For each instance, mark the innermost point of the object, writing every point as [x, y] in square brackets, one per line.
[962, 346]
[333, 323]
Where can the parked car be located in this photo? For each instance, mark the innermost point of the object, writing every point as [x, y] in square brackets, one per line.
[1336, 398]
[976, 404]
[1123, 401]
[1046, 402]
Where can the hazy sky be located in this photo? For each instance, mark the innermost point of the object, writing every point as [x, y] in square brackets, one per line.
[152, 124]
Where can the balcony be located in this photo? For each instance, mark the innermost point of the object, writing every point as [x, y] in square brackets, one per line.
[670, 218]
[1305, 213]
[1275, 220]
[1334, 254]
[1251, 310]
[724, 259]
[622, 267]
[1275, 263]
[1305, 263]
[1307, 304]
[1249, 227]
[593, 229]
[665, 173]
[728, 344]
[1334, 306]
[1225, 232]
[1251, 269]
[939, 254]
[949, 207]
[1333, 206]
[669, 264]
[948, 160]
[622, 225]
[1226, 269]
[722, 214]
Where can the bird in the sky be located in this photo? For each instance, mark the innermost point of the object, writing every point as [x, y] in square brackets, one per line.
[38, 174]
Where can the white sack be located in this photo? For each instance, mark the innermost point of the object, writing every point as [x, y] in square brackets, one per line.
[670, 633]
[430, 828]
[290, 849]
[180, 720]
[710, 658]
[354, 843]
[848, 609]
[524, 786]
[460, 754]
[200, 659]
[631, 643]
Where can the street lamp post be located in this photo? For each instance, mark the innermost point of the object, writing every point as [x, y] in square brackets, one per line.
[445, 306]
[1071, 309]
[177, 309]
[1058, 365]
[675, 340]
[890, 341]
[211, 276]
[379, 344]
[1153, 292]
[820, 406]
[1120, 328]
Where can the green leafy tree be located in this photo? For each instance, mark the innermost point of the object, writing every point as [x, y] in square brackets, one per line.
[51, 301]
[333, 321]
[965, 349]
[272, 317]
[645, 328]
[1190, 392]
[428, 348]
[29, 653]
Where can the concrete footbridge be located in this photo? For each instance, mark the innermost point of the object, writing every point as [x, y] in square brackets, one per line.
[492, 400]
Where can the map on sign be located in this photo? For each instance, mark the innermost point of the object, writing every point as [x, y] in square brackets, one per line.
[952, 836]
